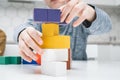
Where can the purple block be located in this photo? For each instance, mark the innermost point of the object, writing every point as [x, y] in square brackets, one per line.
[54, 15]
[40, 15]
[47, 15]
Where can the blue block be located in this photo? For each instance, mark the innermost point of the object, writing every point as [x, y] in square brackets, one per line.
[25, 62]
[40, 15]
[47, 15]
[54, 15]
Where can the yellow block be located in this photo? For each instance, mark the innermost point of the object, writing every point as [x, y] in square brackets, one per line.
[56, 42]
[50, 29]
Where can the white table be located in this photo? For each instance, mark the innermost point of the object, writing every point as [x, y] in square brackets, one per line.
[81, 70]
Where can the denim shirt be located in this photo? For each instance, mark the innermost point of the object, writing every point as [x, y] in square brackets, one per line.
[79, 34]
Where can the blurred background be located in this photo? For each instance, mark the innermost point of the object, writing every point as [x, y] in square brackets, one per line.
[105, 47]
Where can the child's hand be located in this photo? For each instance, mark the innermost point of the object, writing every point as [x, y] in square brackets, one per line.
[27, 40]
[77, 8]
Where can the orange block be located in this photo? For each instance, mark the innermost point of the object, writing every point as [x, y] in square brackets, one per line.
[39, 59]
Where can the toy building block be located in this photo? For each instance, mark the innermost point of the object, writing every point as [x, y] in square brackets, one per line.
[69, 60]
[26, 62]
[55, 55]
[56, 42]
[37, 62]
[46, 15]
[15, 60]
[54, 68]
[40, 15]
[50, 29]
[4, 60]
[54, 15]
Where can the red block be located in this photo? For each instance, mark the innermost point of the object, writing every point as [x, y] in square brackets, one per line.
[39, 59]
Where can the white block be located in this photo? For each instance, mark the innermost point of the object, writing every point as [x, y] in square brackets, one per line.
[54, 68]
[55, 55]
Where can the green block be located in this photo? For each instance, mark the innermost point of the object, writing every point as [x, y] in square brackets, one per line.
[15, 60]
[4, 60]
[10, 60]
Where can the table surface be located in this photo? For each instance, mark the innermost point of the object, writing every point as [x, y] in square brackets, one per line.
[81, 70]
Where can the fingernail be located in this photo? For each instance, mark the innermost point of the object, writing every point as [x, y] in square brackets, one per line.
[67, 21]
[74, 25]
[29, 60]
[61, 20]
[40, 42]
[41, 51]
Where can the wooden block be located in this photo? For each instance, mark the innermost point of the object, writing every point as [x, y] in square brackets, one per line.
[54, 68]
[56, 42]
[50, 29]
[69, 60]
[47, 15]
[15, 60]
[26, 62]
[40, 15]
[38, 61]
[54, 15]
[4, 60]
[10, 60]
[55, 55]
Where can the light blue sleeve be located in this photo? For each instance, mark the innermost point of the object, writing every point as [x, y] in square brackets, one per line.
[102, 23]
[20, 28]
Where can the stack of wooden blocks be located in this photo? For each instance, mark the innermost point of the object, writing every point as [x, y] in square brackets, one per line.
[56, 57]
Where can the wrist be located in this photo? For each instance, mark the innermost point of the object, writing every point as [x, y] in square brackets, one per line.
[92, 13]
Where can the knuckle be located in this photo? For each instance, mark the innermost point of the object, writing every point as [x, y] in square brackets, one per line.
[29, 53]
[84, 16]
[35, 47]
[77, 7]
[32, 32]
[27, 40]
[22, 47]
[69, 5]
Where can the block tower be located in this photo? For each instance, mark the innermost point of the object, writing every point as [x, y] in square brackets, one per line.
[56, 57]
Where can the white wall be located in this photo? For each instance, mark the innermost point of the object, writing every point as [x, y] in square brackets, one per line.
[13, 14]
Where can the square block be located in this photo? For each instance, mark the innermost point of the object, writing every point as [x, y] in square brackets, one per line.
[37, 62]
[50, 29]
[15, 60]
[4, 60]
[55, 55]
[54, 68]
[40, 15]
[32, 62]
[54, 15]
[56, 42]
